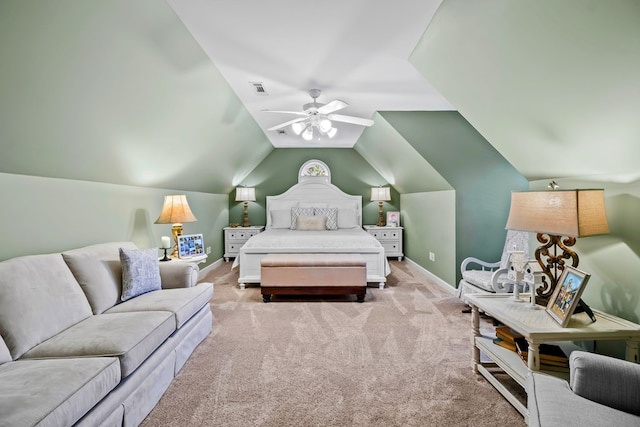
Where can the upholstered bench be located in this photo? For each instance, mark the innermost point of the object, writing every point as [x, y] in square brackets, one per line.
[313, 274]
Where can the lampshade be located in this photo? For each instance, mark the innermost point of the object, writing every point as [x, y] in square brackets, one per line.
[245, 194]
[380, 194]
[175, 210]
[573, 213]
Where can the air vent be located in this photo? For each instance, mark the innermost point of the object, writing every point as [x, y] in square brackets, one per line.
[282, 132]
[258, 88]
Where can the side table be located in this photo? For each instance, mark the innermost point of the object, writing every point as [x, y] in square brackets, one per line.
[235, 237]
[538, 327]
[389, 237]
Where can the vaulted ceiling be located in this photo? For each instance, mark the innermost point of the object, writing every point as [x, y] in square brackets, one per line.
[157, 94]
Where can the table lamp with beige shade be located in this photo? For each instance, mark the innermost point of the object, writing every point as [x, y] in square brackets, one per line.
[175, 210]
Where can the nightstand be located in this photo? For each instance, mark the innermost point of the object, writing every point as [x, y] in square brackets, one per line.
[235, 237]
[389, 237]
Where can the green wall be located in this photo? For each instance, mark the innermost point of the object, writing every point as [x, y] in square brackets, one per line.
[482, 178]
[430, 226]
[44, 215]
[279, 171]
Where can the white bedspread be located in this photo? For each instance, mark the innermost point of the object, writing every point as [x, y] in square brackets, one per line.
[346, 238]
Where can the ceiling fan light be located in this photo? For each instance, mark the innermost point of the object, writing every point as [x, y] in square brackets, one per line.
[332, 132]
[325, 125]
[297, 128]
[307, 135]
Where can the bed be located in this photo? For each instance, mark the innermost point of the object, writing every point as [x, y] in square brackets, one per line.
[317, 195]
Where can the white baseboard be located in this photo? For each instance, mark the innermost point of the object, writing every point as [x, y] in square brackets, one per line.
[203, 272]
[444, 285]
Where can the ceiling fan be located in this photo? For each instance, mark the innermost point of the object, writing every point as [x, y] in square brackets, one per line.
[318, 117]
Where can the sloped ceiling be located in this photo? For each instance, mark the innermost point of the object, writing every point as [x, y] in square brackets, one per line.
[356, 51]
[553, 85]
[397, 161]
[119, 92]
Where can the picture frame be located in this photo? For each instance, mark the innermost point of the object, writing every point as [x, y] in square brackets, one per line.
[566, 295]
[393, 219]
[190, 245]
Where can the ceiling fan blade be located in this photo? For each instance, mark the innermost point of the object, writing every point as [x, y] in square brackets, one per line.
[350, 119]
[285, 124]
[299, 113]
[332, 106]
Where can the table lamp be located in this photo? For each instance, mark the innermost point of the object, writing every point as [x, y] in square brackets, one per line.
[175, 210]
[380, 194]
[246, 195]
[558, 217]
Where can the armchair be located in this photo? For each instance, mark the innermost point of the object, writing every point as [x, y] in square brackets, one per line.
[601, 391]
[480, 276]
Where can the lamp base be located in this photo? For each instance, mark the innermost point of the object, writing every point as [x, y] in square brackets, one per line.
[245, 217]
[380, 215]
[551, 257]
[176, 231]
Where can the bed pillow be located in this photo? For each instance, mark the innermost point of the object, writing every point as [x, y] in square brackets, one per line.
[348, 218]
[140, 272]
[281, 218]
[296, 212]
[311, 223]
[331, 214]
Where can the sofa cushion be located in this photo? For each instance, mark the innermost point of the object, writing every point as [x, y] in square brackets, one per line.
[140, 272]
[5, 356]
[97, 268]
[39, 297]
[55, 392]
[183, 303]
[131, 337]
[479, 278]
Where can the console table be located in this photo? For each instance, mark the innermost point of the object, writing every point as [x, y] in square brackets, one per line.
[538, 327]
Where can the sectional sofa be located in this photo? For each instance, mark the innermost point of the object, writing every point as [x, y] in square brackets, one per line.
[72, 352]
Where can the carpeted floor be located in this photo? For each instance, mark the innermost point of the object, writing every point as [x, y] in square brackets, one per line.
[401, 358]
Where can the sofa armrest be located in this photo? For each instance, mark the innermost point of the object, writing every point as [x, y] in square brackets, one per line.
[177, 274]
[551, 403]
[606, 380]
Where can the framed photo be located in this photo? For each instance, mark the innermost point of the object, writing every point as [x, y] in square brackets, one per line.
[190, 245]
[393, 219]
[567, 294]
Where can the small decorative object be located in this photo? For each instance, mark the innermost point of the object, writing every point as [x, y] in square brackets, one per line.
[234, 225]
[518, 271]
[566, 296]
[190, 245]
[380, 194]
[393, 219]
[166, 244]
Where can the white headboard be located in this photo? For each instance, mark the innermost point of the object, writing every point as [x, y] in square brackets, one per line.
[314, 191]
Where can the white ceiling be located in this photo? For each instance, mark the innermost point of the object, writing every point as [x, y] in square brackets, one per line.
[356, 51]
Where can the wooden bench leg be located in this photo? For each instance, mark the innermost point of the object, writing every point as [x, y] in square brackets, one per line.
[360, 297]
[266, 297]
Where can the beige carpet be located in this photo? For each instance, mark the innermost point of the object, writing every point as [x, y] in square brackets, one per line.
[401, 358]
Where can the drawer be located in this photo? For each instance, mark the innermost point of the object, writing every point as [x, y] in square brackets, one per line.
[233, 247]
[385, 234]
[241, 234]
[390, 247]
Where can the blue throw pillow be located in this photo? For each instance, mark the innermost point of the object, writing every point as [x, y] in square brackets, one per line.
[140, 272]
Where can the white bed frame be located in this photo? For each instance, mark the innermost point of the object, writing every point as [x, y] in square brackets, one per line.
[318, 191]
